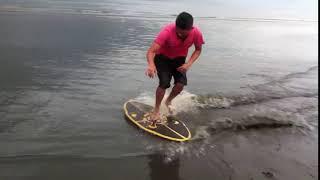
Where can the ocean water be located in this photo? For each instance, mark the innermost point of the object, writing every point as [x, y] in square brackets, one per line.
[67, 67]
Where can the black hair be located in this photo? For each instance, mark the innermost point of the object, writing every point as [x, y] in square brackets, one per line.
[184, 21]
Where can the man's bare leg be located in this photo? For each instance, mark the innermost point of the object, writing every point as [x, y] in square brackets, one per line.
[174, 92]
[159, 96]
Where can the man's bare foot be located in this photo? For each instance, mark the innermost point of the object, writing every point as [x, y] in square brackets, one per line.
[155, 117]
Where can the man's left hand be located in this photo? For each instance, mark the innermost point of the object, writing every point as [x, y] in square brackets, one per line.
[184, 68]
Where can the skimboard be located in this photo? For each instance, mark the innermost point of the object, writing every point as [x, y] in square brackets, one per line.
[170, 128]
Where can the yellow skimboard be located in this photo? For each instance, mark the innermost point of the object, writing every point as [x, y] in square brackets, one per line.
[170, 128]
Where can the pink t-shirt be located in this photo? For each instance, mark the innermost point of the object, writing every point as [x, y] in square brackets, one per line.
[172, 46]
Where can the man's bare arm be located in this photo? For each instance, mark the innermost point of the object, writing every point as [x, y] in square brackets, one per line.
[151, 70]
[195, 55]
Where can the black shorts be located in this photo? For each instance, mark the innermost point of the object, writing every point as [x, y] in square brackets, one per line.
[167, 68]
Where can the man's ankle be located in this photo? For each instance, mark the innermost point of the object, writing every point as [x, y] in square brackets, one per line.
[156, 112]
[168, 102]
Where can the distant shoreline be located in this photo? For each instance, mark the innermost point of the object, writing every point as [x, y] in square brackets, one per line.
[104, 13]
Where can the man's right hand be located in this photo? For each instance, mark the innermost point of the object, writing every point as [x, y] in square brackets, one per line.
[151, 71]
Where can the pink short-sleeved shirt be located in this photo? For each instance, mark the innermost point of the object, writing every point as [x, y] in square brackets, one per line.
[172, 46]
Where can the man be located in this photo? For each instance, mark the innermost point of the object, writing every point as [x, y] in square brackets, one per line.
[167, 58]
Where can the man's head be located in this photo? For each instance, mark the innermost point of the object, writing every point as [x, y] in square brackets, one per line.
[184, 24]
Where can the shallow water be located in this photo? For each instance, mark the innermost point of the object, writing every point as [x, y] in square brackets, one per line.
[67, 67]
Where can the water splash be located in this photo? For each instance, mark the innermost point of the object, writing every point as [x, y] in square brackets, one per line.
[183, 103]
[299, 84]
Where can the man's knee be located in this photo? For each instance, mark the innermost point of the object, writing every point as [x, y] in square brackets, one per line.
[179, 87]
[164, 85]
